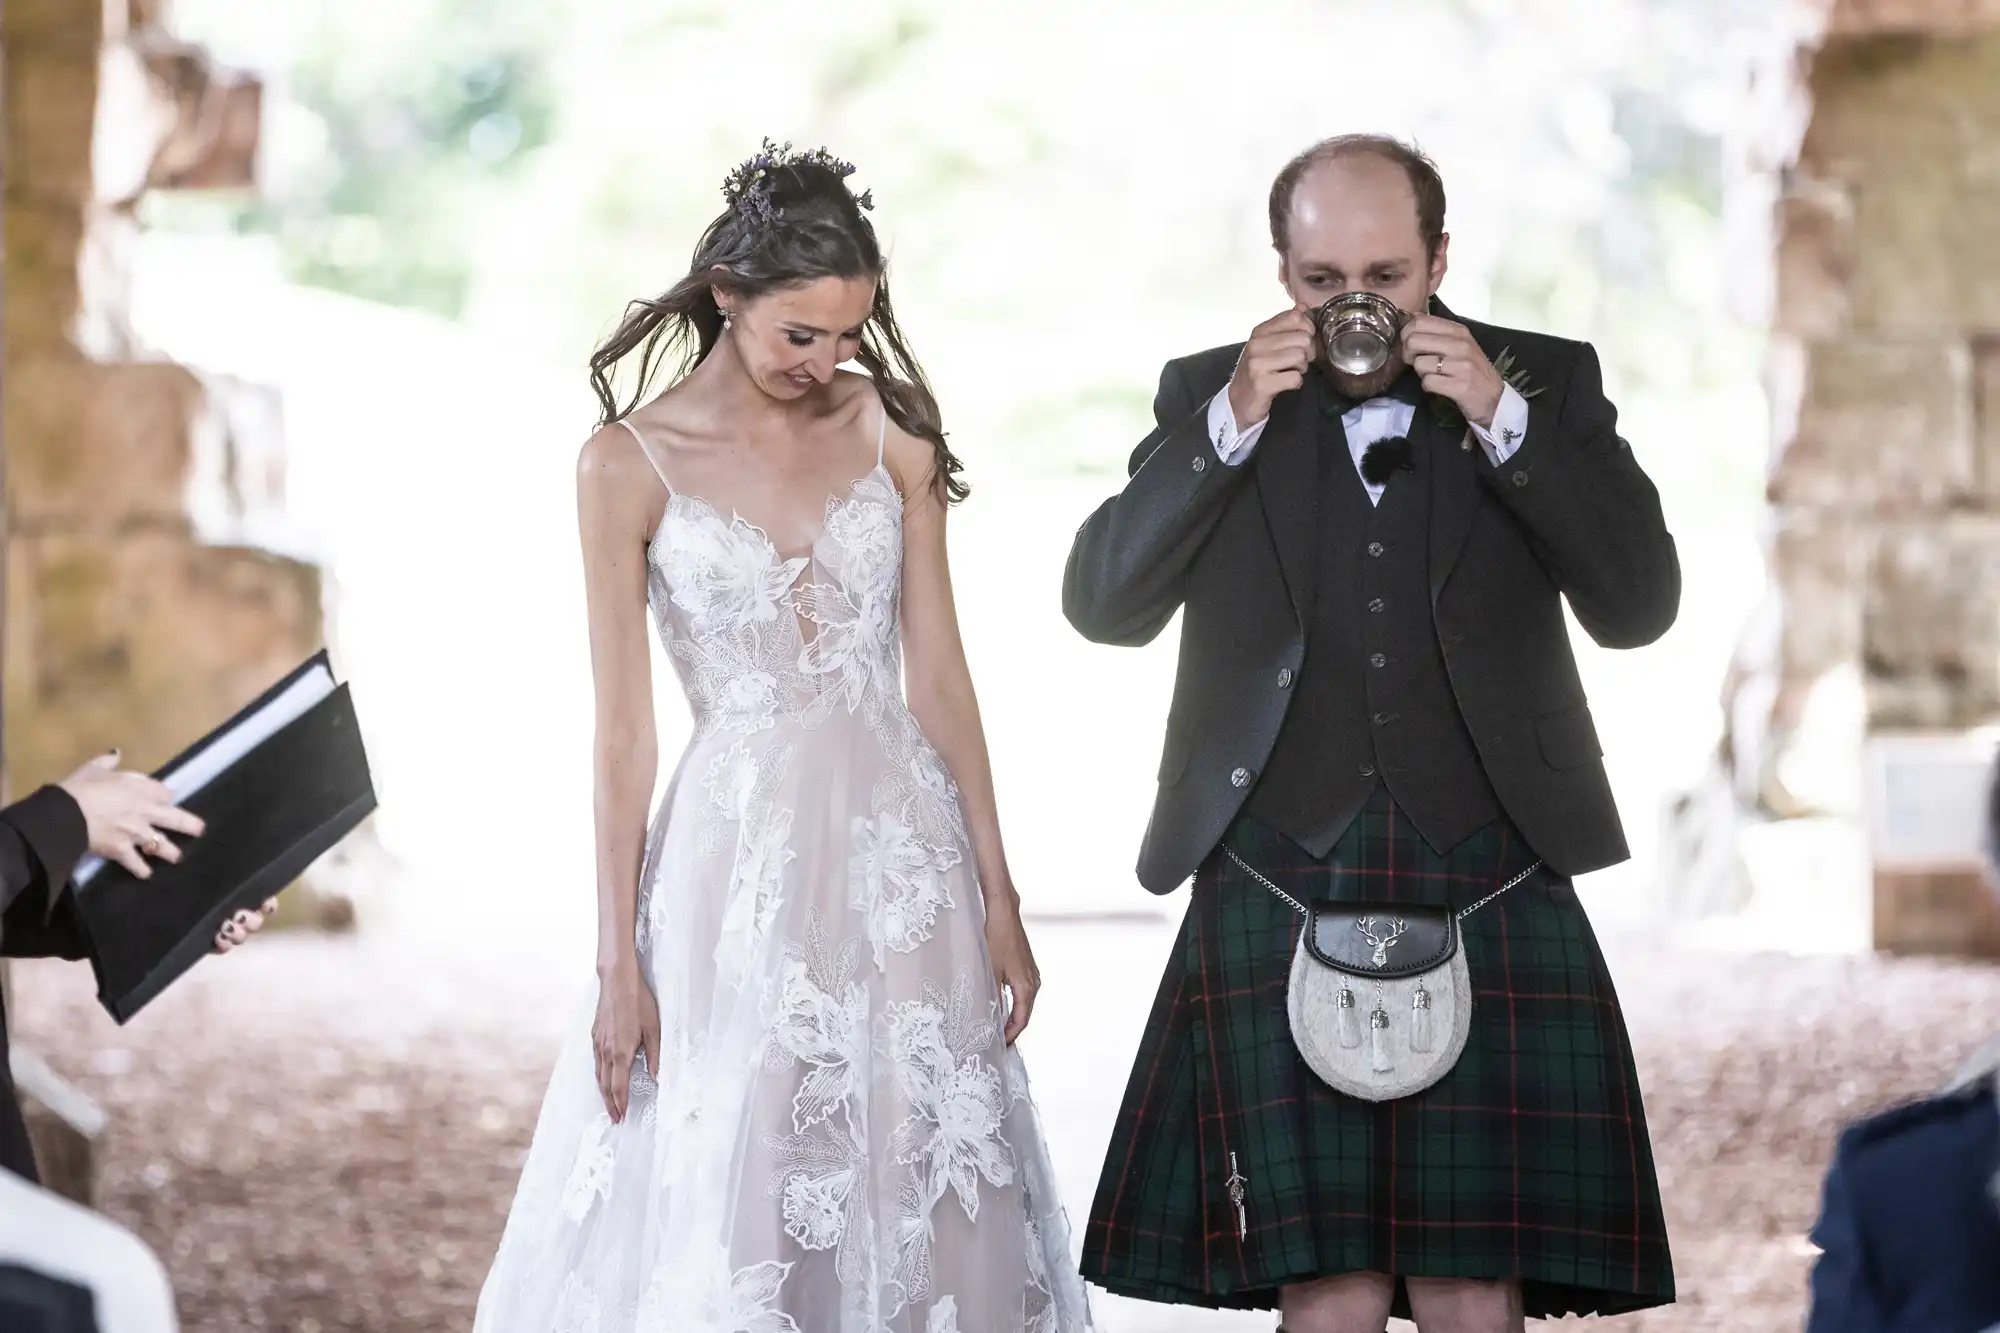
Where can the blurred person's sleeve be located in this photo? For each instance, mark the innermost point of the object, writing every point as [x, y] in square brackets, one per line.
[1844, 1294]
[41, 839]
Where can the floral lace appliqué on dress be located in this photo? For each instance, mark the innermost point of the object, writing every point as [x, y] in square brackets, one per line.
[838, 1139]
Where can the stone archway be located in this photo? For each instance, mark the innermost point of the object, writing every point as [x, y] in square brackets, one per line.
[1884, 483]
[123, 623]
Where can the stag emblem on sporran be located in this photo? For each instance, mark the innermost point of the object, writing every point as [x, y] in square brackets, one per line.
[1369, 925]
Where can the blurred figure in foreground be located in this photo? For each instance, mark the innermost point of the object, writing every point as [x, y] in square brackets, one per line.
[1909, 1227]
[65, 1269]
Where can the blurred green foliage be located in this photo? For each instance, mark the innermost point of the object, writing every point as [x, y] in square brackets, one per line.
[1059, 222]
[399, 148]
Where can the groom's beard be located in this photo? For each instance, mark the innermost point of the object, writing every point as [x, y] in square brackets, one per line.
[1360, 388]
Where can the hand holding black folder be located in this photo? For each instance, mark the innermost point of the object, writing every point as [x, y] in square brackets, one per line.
[277, 786]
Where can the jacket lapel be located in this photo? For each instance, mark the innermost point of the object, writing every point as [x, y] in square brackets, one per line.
[1288, 482]
[1455, 464]
[1454, 489]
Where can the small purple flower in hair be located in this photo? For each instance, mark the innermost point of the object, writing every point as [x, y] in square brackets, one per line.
[748, 187]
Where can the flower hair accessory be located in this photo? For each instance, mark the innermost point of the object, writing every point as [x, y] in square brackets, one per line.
[748, 187]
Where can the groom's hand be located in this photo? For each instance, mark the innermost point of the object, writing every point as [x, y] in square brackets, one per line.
[1452, 366]
[1272, 362]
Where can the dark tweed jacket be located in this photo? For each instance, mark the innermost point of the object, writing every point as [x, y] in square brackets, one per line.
[41, 840]
[1570, 516]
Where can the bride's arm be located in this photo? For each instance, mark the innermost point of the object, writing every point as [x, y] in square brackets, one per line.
[616, 497]
[938, 685]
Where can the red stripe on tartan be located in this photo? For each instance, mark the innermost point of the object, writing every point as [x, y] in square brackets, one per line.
[1420, 1224]
[1513, 1066]
[1299, 1219]
[1238, 992]
[1624, 1117]
[1489, 992]
[1215, 1075]
[1395, 1111]
[1145, 1101]
[1545, 997]
[1631, 1148]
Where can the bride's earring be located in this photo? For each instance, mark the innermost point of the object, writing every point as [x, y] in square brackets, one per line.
[727, 319]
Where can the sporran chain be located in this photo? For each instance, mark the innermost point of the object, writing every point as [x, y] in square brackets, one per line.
[1300, 907]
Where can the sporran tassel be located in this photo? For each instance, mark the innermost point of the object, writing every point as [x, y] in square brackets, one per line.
[1378, 1041]
[1420, 1020]
[1350, 1020]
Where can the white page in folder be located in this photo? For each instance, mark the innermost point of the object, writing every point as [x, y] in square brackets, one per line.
[249, 732]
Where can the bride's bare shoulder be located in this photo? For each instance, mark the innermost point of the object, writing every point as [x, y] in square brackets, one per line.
[612, 455]
[620, 487]
[854, 399]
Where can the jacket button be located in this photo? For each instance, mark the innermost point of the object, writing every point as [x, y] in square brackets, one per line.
[1384, 719]
[1200, 463]
[1376, 605]
[1375, 548]
[1520, 479]
[1378, 659]
[1368, 770]
[1284, 678]
[1240, 778]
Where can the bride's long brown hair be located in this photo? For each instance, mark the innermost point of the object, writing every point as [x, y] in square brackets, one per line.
[808, 226]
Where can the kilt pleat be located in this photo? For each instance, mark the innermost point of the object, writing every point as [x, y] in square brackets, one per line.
[1530, 1160]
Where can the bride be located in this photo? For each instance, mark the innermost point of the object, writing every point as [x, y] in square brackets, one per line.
[799, 1107]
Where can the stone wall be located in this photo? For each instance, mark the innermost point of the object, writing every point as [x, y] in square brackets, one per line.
[1885, 482]
[121, 626]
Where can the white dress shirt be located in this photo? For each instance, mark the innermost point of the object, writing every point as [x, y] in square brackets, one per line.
[1375, 419]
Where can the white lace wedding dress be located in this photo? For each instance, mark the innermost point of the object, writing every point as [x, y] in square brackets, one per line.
[838, 1139]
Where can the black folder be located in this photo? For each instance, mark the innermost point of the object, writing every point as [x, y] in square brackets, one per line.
[277, 786]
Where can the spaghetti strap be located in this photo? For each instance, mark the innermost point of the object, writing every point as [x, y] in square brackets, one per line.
[647, 454]
[881, 435]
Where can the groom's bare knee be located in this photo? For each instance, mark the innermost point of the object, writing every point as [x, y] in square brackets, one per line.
[1465, 1305]
[1349, 1303]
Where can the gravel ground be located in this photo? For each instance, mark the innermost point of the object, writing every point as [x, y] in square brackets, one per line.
[323, 1135]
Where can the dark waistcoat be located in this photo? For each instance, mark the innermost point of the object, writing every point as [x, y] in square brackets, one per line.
[1374, 702]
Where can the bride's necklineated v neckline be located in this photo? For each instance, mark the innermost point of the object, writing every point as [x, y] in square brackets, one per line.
[848, 495]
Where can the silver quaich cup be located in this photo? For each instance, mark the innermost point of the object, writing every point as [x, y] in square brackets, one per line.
[1358, 331]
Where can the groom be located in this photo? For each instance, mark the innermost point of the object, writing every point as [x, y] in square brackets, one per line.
[1376, 700]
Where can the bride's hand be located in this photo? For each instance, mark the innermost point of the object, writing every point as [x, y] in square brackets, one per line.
[628, 1019]
[1013, 962]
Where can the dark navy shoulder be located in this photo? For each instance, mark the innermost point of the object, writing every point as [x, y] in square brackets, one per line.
[1971, 1111]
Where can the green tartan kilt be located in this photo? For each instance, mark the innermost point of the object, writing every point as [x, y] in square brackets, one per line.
[1529, 1160]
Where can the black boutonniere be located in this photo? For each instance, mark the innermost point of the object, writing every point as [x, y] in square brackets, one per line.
[1445, 412]
[1384, 458]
